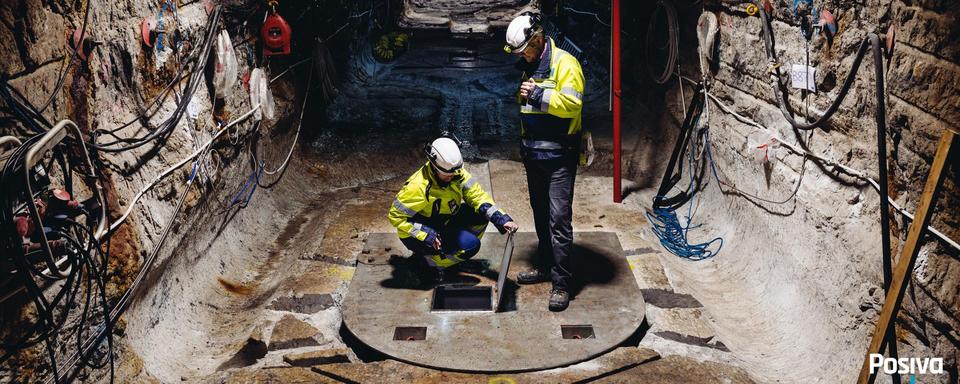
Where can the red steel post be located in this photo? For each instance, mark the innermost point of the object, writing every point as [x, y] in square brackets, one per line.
[617, 191]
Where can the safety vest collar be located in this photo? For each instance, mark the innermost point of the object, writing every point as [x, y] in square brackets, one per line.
[545, 69]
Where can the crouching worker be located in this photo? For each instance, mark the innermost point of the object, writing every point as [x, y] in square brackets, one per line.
[442, 211]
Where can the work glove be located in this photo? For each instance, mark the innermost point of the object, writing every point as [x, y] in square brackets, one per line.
[536, 96]
[499, 219]
[431, 236]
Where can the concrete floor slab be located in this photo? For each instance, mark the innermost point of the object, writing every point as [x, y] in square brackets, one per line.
[523, 338]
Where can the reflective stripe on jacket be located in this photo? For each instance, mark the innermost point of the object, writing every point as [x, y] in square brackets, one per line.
[555, 121]
[424, 200]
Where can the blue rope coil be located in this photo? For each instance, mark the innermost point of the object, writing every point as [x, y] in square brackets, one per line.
[666, 224]
[673, 236]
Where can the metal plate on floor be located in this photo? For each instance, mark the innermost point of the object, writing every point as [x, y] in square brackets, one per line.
[379, 300]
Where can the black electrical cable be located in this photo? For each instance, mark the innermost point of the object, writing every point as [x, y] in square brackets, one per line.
[873, 41]
[200, 60]
[672, 174]
[79, 283]
[779, 88]
[22, 110]
[144, 116]
[73, 59]
[87, 347]
[880, 116]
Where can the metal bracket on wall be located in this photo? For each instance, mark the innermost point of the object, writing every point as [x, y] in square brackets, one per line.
[894, 296]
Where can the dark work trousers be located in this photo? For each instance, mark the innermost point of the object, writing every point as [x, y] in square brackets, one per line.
[551, 196]
[460, 238]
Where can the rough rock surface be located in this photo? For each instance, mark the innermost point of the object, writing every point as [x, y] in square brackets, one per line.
[323, 356]
[808, 290]
[794, 305]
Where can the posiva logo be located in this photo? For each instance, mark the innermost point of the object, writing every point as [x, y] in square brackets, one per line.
[906, 365]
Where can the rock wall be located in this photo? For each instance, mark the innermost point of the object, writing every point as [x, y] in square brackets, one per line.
[812, 282]
[120, 79]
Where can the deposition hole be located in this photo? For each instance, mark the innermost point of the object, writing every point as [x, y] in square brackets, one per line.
[577, 332]
[453, 298]
[409, 333]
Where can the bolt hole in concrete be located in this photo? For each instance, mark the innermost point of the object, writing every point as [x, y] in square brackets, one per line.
[454, 298]
[577, 332]
[409, 333]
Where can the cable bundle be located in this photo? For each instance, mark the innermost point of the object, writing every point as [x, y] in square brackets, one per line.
[69, 296]
[197, 62]
[663, 218]
[666, 224]
[671, 44]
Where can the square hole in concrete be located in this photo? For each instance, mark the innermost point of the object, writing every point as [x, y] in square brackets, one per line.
[452, 298]
[577, 332]
[409, 333]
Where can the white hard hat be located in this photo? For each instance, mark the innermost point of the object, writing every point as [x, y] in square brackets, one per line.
[444, 154]
[521, 30]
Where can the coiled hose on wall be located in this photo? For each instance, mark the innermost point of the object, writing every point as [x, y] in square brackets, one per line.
[673, 36]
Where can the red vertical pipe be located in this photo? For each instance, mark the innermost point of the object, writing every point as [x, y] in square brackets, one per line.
[617, 191]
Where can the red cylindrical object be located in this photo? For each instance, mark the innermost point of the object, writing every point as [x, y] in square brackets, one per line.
[24, 225]
[617, 192]
[276, 34]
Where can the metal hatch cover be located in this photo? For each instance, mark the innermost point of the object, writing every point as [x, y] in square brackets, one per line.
[504, 268]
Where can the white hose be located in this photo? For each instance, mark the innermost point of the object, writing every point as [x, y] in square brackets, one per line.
[176, 166]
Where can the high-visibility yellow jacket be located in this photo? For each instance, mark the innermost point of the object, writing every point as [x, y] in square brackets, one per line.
[424, 202]
[551, 117]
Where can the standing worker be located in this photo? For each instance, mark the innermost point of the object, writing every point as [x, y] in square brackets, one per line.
[430, 216]
[550, 100]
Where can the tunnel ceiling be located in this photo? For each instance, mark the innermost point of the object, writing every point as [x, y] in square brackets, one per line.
[463, 17]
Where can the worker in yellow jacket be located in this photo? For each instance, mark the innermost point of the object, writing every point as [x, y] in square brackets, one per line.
[551, 101]
[442, 211]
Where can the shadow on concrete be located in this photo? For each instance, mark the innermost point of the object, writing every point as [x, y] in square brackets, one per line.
[591, 267]
[411, 273]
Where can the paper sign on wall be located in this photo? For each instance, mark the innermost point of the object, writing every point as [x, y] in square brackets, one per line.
[804, 77]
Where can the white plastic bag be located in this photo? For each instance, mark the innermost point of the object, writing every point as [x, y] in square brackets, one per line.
[762, 145]
[260, 95]
[266, 97]
[255, 75]
[225, 73]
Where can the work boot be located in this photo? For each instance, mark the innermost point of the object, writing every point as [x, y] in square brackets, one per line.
[559, 299]
[532, 276]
